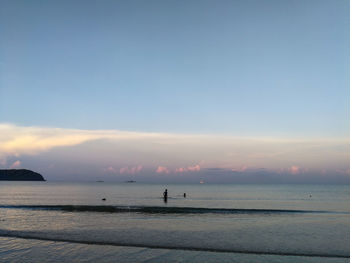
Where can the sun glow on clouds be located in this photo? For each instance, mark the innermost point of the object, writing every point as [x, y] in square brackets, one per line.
[15, 165]
[195, 168]
[17, 140]
[162, 170]
[150, 151]
[294, 169]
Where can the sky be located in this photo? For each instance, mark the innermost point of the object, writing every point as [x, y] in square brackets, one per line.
[178, 91]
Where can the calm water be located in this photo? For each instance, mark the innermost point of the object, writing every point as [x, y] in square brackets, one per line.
[271, 223]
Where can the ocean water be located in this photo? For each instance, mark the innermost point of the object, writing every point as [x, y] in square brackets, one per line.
[214, 223]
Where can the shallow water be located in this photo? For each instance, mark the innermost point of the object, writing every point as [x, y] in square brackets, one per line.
[17, 250]
[281, 220]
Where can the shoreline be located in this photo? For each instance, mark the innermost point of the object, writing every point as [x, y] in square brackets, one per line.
[183, 248]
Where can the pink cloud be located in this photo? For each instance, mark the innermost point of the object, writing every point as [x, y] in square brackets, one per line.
[180, 170]
[15, 165]
[294, 169]
[124, 170]
[130, 170]
[194, 168]
[162, 170]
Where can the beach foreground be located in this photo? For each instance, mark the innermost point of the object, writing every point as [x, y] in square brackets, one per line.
[29, 250]
[55, 222]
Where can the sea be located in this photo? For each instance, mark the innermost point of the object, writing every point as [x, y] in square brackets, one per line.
[70, 222]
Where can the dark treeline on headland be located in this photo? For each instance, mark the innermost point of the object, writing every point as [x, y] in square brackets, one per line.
[20, 175]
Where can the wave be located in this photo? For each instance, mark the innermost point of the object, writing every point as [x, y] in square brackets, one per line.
[44, 237]
[156, 209]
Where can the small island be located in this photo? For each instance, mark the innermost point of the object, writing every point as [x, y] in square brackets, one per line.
[20, 175]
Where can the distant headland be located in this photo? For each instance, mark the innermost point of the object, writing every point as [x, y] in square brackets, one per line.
[20, 175]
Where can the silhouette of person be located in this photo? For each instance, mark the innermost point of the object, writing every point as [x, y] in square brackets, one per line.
[165, 195]
[184, 195]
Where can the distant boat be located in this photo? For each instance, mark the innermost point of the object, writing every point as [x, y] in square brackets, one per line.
[130, 181]
[100, 181]
[201, 182]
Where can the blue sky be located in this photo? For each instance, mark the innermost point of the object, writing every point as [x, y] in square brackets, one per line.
[223, 68]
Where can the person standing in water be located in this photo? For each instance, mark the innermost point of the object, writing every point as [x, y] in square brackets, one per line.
[165, 195]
